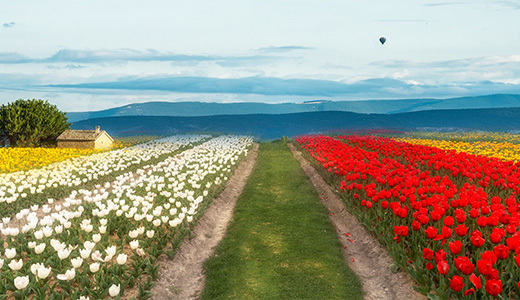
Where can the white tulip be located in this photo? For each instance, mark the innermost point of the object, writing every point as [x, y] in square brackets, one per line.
[84, 253]
[39, 248]
[10, 253]
[21, 282]
[63, 253]
[121, 259]
[94, 267]
[58, 229]
[150, 233]
[16, 265]
[47, 231]
[44, 272]
[89, 245]
[114, 290]
[69, 275]
[111, 251]
[38, 234]
[35, 267]
[134, 244]
[76, 262]
[96, 237]
[133, 234]
[96, 256]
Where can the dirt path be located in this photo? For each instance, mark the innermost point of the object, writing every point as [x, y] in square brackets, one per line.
[183, 277]
[363, 253]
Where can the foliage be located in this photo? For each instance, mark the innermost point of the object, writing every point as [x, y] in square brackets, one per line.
[30, 123]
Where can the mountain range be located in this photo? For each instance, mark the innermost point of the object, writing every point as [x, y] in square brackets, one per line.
[198, 109]
[273, 126]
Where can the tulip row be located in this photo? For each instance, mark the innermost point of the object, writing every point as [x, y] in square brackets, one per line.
[501, 150]
[451, 219]
[22, 159]
[97, 243]
[22, 189]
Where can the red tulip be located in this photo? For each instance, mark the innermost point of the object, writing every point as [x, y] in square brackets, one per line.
[461, 230]
[477, 241]
[501, 251]
[428, 254]
[489, 255]
[456, 283]
[431, 232]
[455, 247]
[469, 292]
[443, 267]
[484, 266]
[493, 287]
[477, 282]
[463, 264]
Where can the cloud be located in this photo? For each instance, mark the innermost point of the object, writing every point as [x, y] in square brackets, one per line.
[279, 49]
[381, 88]
[9, 25]
[488, 61]
[78, 57]
[13, 58]
[509, 4]
[443, 3]
[270, 86]
[403, 20]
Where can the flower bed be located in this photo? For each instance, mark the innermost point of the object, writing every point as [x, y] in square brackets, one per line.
[450, 219]
[98, 242]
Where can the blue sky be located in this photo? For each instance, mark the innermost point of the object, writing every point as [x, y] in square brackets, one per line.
[96, 54]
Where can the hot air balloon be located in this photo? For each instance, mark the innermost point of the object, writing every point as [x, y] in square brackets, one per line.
[382, 40]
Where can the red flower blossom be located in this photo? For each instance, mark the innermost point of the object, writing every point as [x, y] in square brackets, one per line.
[431, 232]
[443, 267]
[493, 287]
[477, 240]
[456, 283]
[455, 247]
[461, 230]
[484, 266]
[501, 251]
[469, 292]
[477, 282]
[463, 264]
[428, 254]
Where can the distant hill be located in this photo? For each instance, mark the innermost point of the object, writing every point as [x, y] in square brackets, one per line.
[193, 109]
[273, 126]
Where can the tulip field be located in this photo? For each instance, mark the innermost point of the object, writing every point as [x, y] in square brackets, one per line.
[92, 227]
[447, 212]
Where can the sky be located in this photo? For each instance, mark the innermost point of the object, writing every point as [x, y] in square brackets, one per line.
[90, 55]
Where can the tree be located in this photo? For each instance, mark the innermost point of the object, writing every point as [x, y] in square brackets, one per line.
[30, 123]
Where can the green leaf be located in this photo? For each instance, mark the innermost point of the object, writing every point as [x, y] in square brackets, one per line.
[433, 297]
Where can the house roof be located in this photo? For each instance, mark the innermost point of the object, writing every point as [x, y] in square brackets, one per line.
[82, 135]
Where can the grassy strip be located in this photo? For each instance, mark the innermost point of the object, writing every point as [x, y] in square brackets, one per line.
[281, 243]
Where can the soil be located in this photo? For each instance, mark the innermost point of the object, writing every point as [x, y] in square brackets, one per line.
[183, 277]
[365, 256]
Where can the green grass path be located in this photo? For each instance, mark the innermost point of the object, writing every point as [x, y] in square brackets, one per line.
[280, 243]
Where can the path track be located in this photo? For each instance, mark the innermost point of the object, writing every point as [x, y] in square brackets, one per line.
[361, 250]
[183, 277]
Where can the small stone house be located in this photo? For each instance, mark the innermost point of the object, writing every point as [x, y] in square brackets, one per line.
[93, 139]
